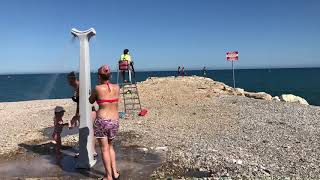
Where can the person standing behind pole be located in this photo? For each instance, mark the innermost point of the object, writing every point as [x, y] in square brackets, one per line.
[126, 57]
[74, 83]
[75, 121]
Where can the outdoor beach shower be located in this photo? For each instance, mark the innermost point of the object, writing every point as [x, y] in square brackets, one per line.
[86, 159]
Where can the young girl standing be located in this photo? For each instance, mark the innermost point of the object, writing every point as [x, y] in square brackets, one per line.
[58, 126]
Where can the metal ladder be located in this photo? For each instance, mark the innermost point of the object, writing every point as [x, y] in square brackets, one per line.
[131, 99]
[130, 94]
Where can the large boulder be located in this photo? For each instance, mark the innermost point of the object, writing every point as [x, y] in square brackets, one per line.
[259, 95]
[293, 98]
[218, 85]
[227, 88]
[218, 91]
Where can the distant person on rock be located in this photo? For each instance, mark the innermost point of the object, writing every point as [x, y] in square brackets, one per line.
[126, 57]
[204, 71]
[182, 71]
[178, 73]
[106, 124]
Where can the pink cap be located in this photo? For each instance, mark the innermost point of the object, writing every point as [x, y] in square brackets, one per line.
[105, 69]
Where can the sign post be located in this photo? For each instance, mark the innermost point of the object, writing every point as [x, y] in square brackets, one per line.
[86, 159]
[233, 56]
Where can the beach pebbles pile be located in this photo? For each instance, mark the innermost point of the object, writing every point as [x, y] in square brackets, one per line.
[210, 131]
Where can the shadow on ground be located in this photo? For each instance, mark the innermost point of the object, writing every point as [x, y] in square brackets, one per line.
[39, 162]
[65, 132]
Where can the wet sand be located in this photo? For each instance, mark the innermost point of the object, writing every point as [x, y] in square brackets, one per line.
[39, 162]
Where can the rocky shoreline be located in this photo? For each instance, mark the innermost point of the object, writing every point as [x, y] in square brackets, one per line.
[206, 129]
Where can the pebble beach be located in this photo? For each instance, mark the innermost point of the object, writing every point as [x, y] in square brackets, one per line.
[206, 129]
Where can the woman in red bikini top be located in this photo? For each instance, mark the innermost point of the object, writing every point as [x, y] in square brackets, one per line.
[106, 124]
[106, 95]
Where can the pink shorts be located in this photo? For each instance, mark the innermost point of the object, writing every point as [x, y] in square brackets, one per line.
[105, 128]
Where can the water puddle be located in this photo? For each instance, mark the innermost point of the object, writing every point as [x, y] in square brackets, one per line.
[197, 174]
[41, 163]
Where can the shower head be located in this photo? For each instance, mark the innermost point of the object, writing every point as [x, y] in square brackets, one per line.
[88, 33]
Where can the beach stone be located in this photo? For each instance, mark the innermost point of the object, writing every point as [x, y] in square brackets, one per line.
[219, 86]
[239, 161]
[145, 150]
[259, 95]
[227, 88]
[161, 149]
[293, 98]
[208, 80]
[276, 98]
[219, 91]
[239, 91]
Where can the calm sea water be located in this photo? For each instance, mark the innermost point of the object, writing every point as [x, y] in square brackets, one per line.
[300, 81]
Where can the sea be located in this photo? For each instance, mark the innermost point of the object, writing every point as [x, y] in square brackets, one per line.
[302, 82]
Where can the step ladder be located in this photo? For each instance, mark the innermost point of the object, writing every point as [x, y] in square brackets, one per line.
[130, 94]
[131, 99]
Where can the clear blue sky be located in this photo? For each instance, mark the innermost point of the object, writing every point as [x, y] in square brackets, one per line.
[161, 34]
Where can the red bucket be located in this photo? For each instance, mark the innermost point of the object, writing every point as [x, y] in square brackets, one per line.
[143, 112]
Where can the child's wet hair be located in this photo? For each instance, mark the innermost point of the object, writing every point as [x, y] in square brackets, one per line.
[59, 113]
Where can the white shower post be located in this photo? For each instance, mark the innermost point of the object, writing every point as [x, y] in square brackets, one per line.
[86, 159]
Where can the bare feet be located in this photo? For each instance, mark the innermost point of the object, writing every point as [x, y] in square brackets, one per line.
[116, 175]
[106, 178]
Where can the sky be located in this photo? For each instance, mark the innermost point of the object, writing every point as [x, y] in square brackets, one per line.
[160, 34]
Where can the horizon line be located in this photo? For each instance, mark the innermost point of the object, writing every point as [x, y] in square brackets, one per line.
[168, 69]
